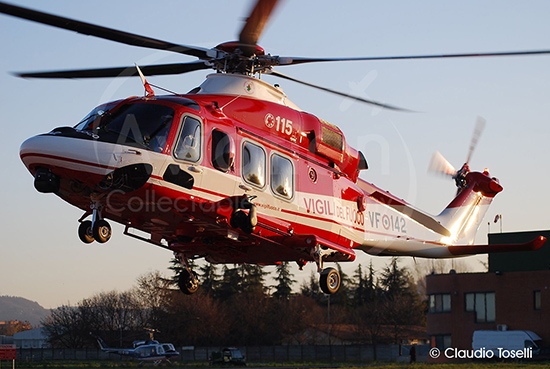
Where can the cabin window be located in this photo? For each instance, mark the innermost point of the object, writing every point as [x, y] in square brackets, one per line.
[188, 146]
[253, 163]
[282, 176]
[223, 151]
[483, 304]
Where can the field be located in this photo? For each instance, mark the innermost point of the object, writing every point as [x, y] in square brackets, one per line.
[134, 365]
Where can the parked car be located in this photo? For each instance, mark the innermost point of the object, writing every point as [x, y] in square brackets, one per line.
[228, 356]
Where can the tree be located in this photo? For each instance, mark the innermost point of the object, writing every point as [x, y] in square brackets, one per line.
[117, 316]
[311, 289]
[284, 280]
[401, 301]
[394, 280]
[209, 277]
[196, 319]
[252, 278]
[343, 296]
[230, 283]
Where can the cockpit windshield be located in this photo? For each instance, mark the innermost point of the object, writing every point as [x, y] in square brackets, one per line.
[93, 118]
[141, 124]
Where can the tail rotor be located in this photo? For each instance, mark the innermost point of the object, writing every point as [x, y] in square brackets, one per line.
[442, 166]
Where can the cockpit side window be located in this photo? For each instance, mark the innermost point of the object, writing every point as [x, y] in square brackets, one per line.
[188, 145]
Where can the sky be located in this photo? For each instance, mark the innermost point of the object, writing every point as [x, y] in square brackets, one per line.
[41, 256]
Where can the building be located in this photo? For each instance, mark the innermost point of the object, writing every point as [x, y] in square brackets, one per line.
[33, 338]
[513, 295]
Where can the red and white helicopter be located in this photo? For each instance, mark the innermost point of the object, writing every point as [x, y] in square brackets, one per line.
[233, 171]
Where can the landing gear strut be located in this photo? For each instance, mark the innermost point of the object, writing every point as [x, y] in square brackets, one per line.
[188, 281]
[97, 229]
[329, 279]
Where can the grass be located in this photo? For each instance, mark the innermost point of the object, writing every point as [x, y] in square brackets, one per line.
[134, 365]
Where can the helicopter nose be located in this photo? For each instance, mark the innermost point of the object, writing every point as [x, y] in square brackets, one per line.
[54, 157]
[34, 153]
[42, 151]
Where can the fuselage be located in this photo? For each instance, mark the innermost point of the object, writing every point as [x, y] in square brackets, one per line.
[175, 167]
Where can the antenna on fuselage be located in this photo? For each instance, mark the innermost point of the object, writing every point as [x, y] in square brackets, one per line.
[149, 91]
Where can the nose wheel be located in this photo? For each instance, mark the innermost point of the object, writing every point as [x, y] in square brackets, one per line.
[89, 232]
[101, 231]
[85, 232]
[97, 229]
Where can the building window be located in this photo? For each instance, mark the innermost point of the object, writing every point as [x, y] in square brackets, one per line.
[536, 295]
[483, 304]
[253, 163]
[440, 303]
[442, 341]
[282, 176]
[188, 146]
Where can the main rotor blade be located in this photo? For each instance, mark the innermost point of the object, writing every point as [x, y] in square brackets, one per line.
[101, 32]
[287, 60]
[357, 98]
[255, 23]
[149, 70]
[480, 125]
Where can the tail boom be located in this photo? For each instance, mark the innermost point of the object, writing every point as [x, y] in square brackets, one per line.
[450, 234]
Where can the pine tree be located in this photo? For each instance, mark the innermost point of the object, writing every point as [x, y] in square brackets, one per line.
[311, 289]
[394, 280]
[252, 278]
[283, 289]
[230, 283]
[343, 296]
[209, 277]
[359, 287]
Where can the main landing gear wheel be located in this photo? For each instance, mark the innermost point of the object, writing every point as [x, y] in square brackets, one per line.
[188, 283]
[101, 231]
[85, 232]
[330, 281]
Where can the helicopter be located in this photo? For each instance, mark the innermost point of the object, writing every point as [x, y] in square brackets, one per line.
[233, 171]
[145, 351]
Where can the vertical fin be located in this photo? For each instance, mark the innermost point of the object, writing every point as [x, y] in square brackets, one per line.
[464, 214]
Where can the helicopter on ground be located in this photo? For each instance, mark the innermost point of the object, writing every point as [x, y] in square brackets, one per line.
[235, 172]
[145, 351]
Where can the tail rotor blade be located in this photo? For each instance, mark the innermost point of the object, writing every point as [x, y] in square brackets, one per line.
[480, 125]
[440, 165]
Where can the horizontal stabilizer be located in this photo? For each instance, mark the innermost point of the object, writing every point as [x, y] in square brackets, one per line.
[489, 249]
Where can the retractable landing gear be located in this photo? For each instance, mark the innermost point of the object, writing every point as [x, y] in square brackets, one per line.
[188, 281]
[329, 279]
[97, 229]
